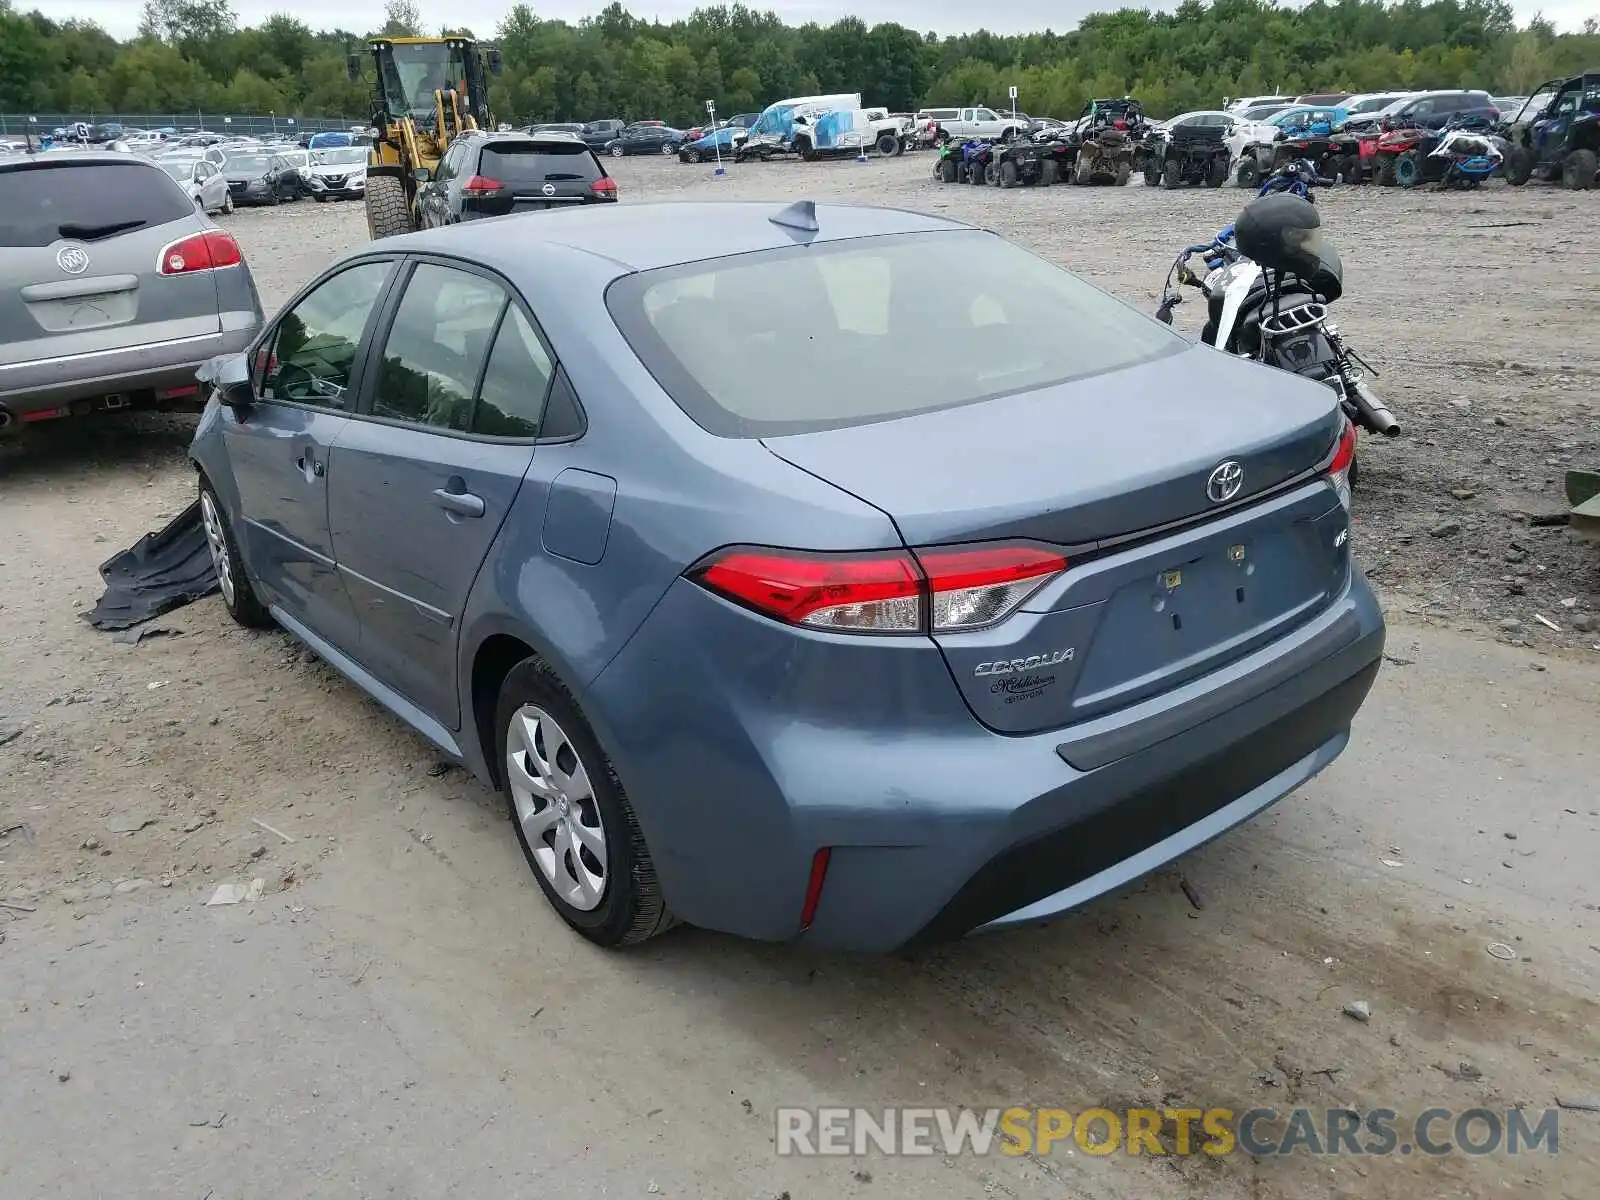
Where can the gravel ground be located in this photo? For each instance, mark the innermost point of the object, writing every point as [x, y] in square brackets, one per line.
[399, 1014]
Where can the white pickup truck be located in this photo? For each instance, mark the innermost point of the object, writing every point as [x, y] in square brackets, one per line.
[964, 123]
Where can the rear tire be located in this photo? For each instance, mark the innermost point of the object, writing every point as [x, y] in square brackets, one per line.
[388, 215]
[616, 152]
[888, 145]
[1383, 174]
[227, 202]
[238, 597]
[991, 173]
[1171, 173]
[1578, 170]
[1084, 173]
[1152, 172]
[1008, 175]
[1047, 172]
[1249, 173]
[1218, 175]
[630, 908]
[947, 171]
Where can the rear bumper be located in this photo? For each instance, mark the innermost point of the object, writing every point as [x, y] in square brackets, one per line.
[52, 383]
[936, 826]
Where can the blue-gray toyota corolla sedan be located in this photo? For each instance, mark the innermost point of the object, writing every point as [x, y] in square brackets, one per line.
[761, 620]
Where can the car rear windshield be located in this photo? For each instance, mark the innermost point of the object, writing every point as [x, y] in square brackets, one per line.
[43, 203]
[544, 162]
[830, 335]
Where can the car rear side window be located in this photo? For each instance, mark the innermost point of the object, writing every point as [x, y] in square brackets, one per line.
[542, 163]
[511, 401]
[41, 204]
[436, 347]
[813, 337]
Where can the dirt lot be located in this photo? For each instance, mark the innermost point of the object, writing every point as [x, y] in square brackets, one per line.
[400, 1015]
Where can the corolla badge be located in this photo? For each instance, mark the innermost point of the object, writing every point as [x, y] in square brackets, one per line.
[549, 189]
[74, 260]
[1225, 481]
[1033, 662]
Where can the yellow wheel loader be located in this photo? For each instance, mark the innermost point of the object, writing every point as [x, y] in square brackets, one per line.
[426, 92]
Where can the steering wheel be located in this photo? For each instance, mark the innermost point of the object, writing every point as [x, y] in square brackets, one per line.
[294, 382]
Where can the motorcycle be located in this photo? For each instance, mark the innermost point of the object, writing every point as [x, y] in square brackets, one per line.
[1269, 280]
[1296, 178]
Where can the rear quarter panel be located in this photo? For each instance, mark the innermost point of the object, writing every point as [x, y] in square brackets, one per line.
[680, 493]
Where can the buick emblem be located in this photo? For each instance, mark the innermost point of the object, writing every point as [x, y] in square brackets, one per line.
[1225, 481]
[74, 260]
[549, 189]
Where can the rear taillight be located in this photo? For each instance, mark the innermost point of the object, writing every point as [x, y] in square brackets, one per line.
[1344, 457]
[605, 186]
[202, 252]
[942, 589]
[481, 185]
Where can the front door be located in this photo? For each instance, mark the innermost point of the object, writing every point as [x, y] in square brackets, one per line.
[422, 481]
[280, 448]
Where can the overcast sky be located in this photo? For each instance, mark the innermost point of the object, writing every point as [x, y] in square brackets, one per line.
[121, 17]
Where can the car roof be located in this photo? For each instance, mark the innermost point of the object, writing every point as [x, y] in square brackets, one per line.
[642, 237]
[78, 158]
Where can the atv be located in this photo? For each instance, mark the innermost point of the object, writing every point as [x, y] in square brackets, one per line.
[977, 162]
[1184, 154]
[1021, 163]
[947, 167]
[1404, 157]
[1556, 134]
[1334, 154]
[1106, 137]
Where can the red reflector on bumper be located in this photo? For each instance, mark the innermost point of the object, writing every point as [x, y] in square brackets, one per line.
[170, 393]
[819, 872]
[46, 414]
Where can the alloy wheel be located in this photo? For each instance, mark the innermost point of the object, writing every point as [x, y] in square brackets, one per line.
[555, 805]
[217, 543]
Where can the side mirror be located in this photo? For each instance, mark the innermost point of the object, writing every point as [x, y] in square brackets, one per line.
[229, 376]
[421, 174]
[237, 395]
[352, 67]
[496, 63]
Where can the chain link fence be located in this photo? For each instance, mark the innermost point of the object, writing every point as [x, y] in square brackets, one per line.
[17, 124]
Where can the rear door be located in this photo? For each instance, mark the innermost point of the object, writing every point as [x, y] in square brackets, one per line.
[540, 175]
[80, 249]
[421, 483]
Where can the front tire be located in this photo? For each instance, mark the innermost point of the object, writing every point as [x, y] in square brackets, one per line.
[617, 152]
[227, 202]
[1124, 173]
[1171, 174]
[387, 212]
[1407, 169]
[1519, 166]
[888, 145]
[571, 816]
[1249, 172]
[238, 596]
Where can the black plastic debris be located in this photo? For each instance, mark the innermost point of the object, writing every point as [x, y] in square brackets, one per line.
[158, 573]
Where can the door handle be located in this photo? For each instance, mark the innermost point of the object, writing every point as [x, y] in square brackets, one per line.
[463, 504]
[308, 465]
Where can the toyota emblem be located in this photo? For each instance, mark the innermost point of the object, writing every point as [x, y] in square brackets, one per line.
[549, 189]
[1225, 481]
[74, 260]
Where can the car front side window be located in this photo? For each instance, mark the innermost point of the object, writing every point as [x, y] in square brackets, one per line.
[436, 346]
[312, 352]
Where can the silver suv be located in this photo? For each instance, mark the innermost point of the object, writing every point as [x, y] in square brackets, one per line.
[114, 287]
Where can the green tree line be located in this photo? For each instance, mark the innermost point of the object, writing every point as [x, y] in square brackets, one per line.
[192, 55]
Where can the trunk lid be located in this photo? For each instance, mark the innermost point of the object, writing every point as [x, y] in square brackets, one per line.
[1116, 469]
[95, 290]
